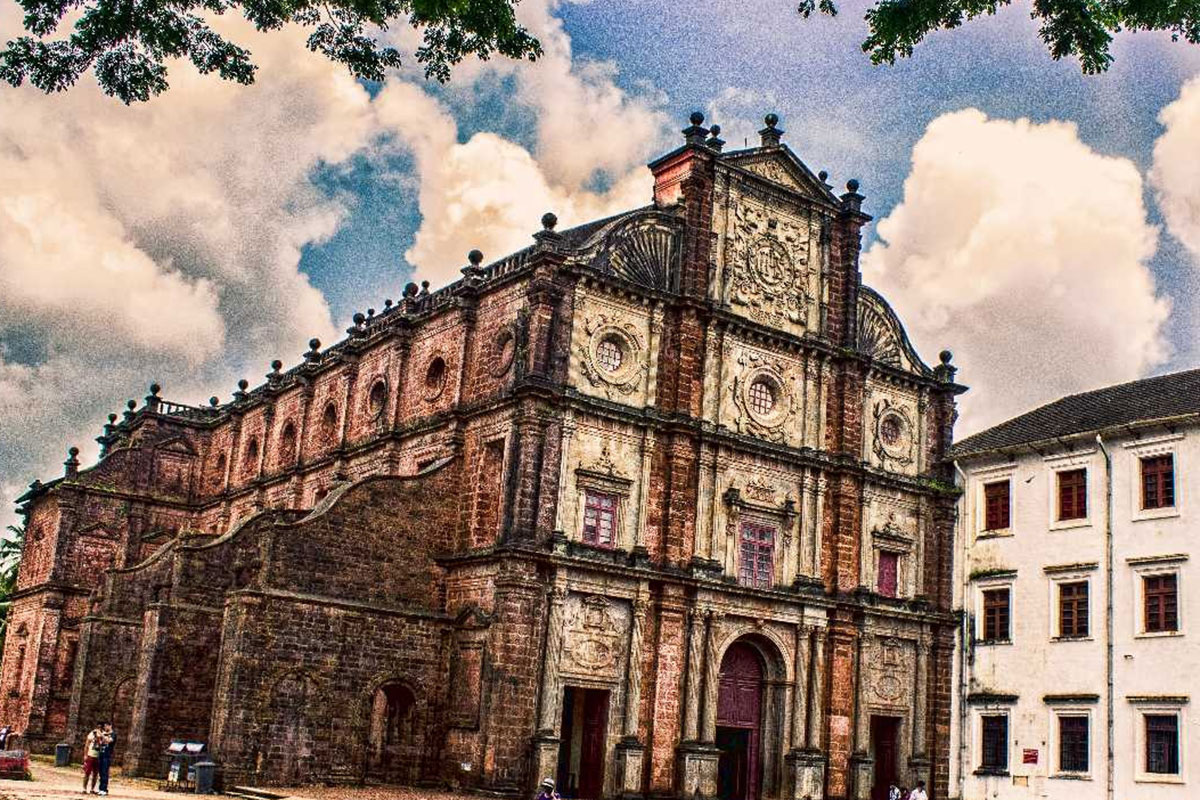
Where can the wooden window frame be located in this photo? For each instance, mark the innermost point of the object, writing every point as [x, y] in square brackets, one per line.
[1084, 748]
[993, 755]
[751, 542]
[1157, 481]
[997, 510]
[879, 587]
[1173, 756]
[1160, 604]
[1071, 494]
[1075, 607]
[989, 622]
[594, 507]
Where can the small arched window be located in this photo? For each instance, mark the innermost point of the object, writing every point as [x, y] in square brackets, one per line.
[218, 476]
[329, 425]
[377, 400]
[287, 445]
[435, 377]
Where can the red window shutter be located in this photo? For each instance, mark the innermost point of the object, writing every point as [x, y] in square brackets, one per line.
[996, 505]
[888, 578]
[1158, 481]
[1072, 494]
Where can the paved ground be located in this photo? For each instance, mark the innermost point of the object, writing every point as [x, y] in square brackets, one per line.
[51, 783]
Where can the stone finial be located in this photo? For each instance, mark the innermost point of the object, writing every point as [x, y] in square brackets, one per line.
[549, 220]
[473, 269]
[71, 465]
[240, 394]
[823, 177]
[359, 319]
[475, 257]
[370, 313]
[273, 376]
[410, 289]
[945, 371]
[152, 399]
[771, 134]
[714, 138]
[852, 200]
[387, 305]
[424, 288]
[214, 401]
[695, 133]
[130, 405]
[548, 238]
[314, 351]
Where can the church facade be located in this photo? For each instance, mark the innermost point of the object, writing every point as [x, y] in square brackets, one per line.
[657, 506]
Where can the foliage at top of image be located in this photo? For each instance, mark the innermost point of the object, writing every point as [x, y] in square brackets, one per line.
[126, 42]
[1080, 28]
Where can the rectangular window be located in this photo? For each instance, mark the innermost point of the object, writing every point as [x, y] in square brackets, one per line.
[995, 615]
[1072, 494]
[1073, 749]
[996, 506]
[1073, 609]
[1158, 481]
[758, 549]
[993, 754]
[600, 519]
[889, 569]
[1162, 744]
[1161, 593]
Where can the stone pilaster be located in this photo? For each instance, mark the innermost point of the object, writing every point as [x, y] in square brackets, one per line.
[546, 740]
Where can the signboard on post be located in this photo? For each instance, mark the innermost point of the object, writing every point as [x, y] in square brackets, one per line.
[1030, 756]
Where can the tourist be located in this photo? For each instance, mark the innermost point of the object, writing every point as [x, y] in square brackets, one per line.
[919, 792]
[893, 792]
[91, 759]
[108, 743]
[546, 790]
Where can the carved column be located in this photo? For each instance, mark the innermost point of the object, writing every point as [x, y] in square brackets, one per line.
[705, 501]
[816, 705]
[698, 759]
[564, 485]
[630, 751]
[695, 661]
[800, 690]
[810, 525]
[648, 442]
[819, 515]
[712, 676]
[864, 764]
[919, 762]
[805, 777]
[546, 740]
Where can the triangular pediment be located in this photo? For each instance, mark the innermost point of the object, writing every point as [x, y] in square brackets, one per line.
[780, 166]
[177, 445]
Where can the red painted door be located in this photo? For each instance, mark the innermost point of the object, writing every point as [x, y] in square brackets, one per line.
[591, 756]
[884, 731]
[739, 718]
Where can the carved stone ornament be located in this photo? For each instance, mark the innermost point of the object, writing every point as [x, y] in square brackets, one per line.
[611, 357]
[774, 172]
[759, 490]
[893, 440]
[886, 682]
[604, 465]
[504, 350]
[593, 642]
[762, 397]
[768, 269]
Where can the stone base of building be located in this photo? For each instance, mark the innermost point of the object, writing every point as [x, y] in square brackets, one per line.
[545, 756]
[698, 770]
[805, 777]
[862, 767]
[630, 755]
[919, 769]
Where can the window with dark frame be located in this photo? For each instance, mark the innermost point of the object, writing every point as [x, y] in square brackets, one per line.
[996, 615]
[996, 505]
[1162, 744]
[1073, 746]
[888, 579]
[1158, 481]
[993, 756]
[599, 519]
[1072, 494]
[1161, 596]
[1073, 609]
[757, 555]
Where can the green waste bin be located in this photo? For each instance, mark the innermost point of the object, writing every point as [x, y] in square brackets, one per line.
[62, 754]
[206, 772]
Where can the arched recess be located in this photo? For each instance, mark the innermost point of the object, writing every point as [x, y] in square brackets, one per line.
[120, 712]
[751, 702]
[393, 733]
[290, 735]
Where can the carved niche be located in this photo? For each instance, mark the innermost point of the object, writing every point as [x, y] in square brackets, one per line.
[594, 640]
[763, 396]
[890, 678]
[894, 440]
[768, 267]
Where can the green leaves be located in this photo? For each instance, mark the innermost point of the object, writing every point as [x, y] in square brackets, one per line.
[127, 42]
[1079, 28]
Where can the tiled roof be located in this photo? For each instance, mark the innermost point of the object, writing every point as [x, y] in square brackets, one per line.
[1162, 397]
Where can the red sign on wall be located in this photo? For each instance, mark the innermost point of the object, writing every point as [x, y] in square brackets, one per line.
[1029, 756]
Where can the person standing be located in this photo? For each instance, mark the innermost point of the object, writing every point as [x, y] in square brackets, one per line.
[107, 745]
[546, 790]
[919, 792]
[91, 759]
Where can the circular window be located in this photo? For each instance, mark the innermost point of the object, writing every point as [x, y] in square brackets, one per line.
[609, 354]
[890, 430]
[762, 397]
[435, 377]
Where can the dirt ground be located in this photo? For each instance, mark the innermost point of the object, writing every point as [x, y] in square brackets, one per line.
[52, 783]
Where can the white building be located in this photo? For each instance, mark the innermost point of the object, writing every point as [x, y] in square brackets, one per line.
[1079, 659]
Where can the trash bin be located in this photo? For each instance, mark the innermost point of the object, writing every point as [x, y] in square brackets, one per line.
[62, 754]
[205, 773]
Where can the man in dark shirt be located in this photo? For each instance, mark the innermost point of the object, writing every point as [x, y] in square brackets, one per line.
[106, 754]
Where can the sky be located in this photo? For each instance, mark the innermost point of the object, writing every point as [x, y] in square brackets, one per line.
[1042, 224]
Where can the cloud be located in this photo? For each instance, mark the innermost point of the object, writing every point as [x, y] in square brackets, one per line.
[1175, 174]
[1025, 252]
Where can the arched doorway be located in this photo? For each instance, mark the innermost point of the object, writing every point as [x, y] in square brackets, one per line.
[121, 714]
[739, 723]
[391, 734]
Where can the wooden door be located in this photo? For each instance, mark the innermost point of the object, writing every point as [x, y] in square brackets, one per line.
[739, 722]
[592, 749]
[884, 733]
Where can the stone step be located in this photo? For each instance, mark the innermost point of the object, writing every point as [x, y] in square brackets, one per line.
[251, 793]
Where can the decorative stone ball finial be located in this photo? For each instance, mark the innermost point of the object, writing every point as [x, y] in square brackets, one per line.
[475, 257]
[945, 357]
[276, 365]
[823, 176]
[370, 313]
[410, 289]
[424, 287]
[131, 404]
[852, 185]
[696, 118]
[73, 451]
[243, 383]
[214, 401]
[387, 304]
[772, 120]
[314, 344]
[72, 462]
[112, 418]
[549, 220]
[715, 130]
[359, 318]
[155, 389]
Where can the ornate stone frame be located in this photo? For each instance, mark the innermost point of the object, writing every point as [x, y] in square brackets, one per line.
[627, 378]
[738, 510]
[603, 476]
[900, 453]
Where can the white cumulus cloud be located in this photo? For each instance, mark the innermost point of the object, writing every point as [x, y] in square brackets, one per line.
[1025, 252]
[1175, 174]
